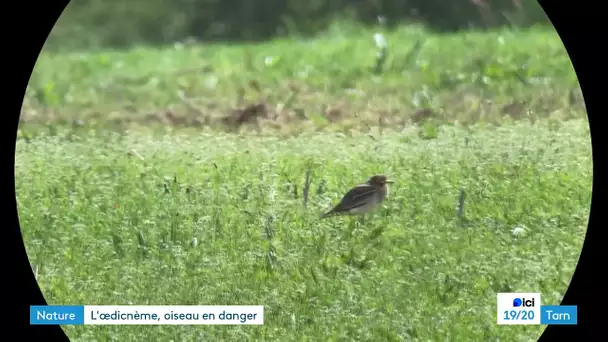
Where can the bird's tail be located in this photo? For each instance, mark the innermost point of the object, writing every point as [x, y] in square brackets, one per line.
[328, 214]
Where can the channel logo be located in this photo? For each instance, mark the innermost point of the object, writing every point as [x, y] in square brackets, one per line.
[518, 308]
[523, 302]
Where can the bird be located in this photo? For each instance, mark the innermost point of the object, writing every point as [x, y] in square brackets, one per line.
[362, 198]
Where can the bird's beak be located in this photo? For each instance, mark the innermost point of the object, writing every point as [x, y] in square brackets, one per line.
[390, 181]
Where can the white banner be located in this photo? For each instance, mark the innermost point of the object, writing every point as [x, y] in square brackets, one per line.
[173, 315]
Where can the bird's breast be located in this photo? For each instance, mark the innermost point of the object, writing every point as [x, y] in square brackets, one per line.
[383, 193]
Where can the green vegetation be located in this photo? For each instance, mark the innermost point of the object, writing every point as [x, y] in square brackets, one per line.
[99, 23]
[122, 203]
[308, 85]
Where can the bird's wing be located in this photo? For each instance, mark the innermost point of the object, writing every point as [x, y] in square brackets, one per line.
[356, 197]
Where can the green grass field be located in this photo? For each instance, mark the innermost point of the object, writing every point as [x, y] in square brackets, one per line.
[118, 208]
[321, 84]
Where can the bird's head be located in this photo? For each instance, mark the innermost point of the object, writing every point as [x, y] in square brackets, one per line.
[379, 180]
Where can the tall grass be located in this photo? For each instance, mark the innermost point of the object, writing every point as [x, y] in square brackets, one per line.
[214, 219]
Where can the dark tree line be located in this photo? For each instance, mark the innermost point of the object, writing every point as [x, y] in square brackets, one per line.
[116, 23]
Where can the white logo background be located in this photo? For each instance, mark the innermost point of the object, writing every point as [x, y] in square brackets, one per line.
[506, 313]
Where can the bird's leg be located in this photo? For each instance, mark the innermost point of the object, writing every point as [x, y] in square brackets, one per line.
[351, 226]
[361, 220]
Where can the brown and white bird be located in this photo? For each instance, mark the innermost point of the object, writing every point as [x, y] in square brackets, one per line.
[362, 198]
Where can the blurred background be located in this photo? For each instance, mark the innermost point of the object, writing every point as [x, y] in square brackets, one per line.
[101, 23]
[298, 65]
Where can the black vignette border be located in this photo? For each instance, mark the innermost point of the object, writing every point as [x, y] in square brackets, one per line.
[575, 23]
[580, 31]
[27, 29]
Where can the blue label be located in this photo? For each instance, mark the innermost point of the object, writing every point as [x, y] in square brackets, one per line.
[57, 314]
[558, 314]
